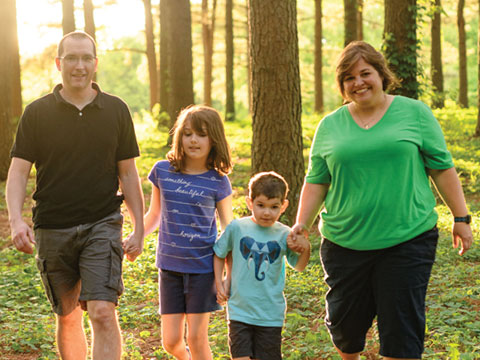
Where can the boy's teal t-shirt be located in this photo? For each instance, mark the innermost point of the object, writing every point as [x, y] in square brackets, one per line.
[258, 272]
[379, 194]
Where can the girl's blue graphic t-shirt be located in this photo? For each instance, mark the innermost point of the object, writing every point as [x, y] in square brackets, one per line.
[188, 227]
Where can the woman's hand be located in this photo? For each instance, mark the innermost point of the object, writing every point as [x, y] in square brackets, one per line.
[450, 189]
[462, 234]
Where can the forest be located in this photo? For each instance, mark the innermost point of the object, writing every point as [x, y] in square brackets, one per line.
[268, 66]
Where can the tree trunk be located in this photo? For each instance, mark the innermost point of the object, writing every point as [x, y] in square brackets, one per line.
[249, 66]
[318, 57]
[229, 55]
[208, 28]
[12, 45]
[276, 99]
[68, 20]
[89, 22]
[359, 19]
[477, 129]
[163, 73]
[7, 56]
[151, 57]
[350, 21]
[400, 44]
[179, 57]
[89, 18]
[462, 54]
[436, 57]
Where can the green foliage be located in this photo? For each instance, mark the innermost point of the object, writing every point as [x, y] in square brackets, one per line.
[124, 71]
[453, 320]
[162, 118]
[450, 51]
[39, 74]
[116, 67]
[25, 325]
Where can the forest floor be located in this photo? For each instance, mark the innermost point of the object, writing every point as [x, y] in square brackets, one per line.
[27, 326]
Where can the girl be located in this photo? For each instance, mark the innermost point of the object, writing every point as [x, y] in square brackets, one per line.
[187, 190]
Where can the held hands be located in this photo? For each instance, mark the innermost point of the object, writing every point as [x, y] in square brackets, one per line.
[133, 246]
[462, 233]
[22, 236]
[297, 240]
[223, 291]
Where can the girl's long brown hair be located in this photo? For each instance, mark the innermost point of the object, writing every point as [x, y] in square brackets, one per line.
[201, 117]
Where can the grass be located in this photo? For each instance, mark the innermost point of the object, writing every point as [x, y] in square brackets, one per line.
[453, 301]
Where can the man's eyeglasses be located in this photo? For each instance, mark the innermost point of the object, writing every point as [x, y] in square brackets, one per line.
[72, 59]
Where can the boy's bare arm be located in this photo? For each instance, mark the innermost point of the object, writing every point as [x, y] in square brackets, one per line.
[228, 276]
[218, 267]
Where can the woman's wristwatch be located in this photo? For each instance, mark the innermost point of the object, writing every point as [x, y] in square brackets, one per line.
[466, 219]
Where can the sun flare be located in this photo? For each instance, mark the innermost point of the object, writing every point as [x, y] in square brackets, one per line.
[39, 22]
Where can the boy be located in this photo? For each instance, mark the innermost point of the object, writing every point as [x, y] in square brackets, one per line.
[256, 305]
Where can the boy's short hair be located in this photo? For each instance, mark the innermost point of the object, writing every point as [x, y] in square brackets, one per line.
[268, 183]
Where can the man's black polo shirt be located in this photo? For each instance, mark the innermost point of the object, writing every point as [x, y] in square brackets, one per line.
[75, 153]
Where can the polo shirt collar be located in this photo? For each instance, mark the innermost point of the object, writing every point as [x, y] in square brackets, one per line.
[98, 101]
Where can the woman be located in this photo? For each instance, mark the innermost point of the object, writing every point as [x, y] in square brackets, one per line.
[370, 163]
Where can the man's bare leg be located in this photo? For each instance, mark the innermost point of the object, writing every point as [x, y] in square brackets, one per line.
[71, 340]
[107, 339]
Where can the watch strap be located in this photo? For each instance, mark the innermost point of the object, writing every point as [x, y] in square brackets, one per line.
[466, 219]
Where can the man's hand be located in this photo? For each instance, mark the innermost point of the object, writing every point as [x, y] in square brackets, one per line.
[22, 236]
[133, 246]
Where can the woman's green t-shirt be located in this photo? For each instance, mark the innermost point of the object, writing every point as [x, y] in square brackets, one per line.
[379, 193]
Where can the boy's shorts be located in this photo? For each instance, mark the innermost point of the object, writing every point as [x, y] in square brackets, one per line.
[388, 283]
[81, 263]
[182, 293]
[257, 342]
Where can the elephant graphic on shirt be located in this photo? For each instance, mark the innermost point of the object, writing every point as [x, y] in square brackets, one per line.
[260, 254]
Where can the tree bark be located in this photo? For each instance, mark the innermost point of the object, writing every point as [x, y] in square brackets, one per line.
[462, 54]
[151, 56]
[318, 57]
[163, 73]
[350, 21]
[249, 66]
[13, 49]
[229, 55]
[400, 44]
[359, 19]
[68, 20]
[89, 18]
[7, 59]
[276, 99]
[477, 129]
[208, 28]
[89, 22]
[436, 57]
[179, 57]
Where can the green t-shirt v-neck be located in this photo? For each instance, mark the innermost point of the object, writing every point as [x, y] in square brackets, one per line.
[379, 193]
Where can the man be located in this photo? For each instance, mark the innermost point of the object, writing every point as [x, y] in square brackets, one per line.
[83, 145]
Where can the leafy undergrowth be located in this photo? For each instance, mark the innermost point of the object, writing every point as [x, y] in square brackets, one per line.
[453, 301]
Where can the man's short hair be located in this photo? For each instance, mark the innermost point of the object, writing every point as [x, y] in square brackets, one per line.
[268, 183]
[76, 35]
